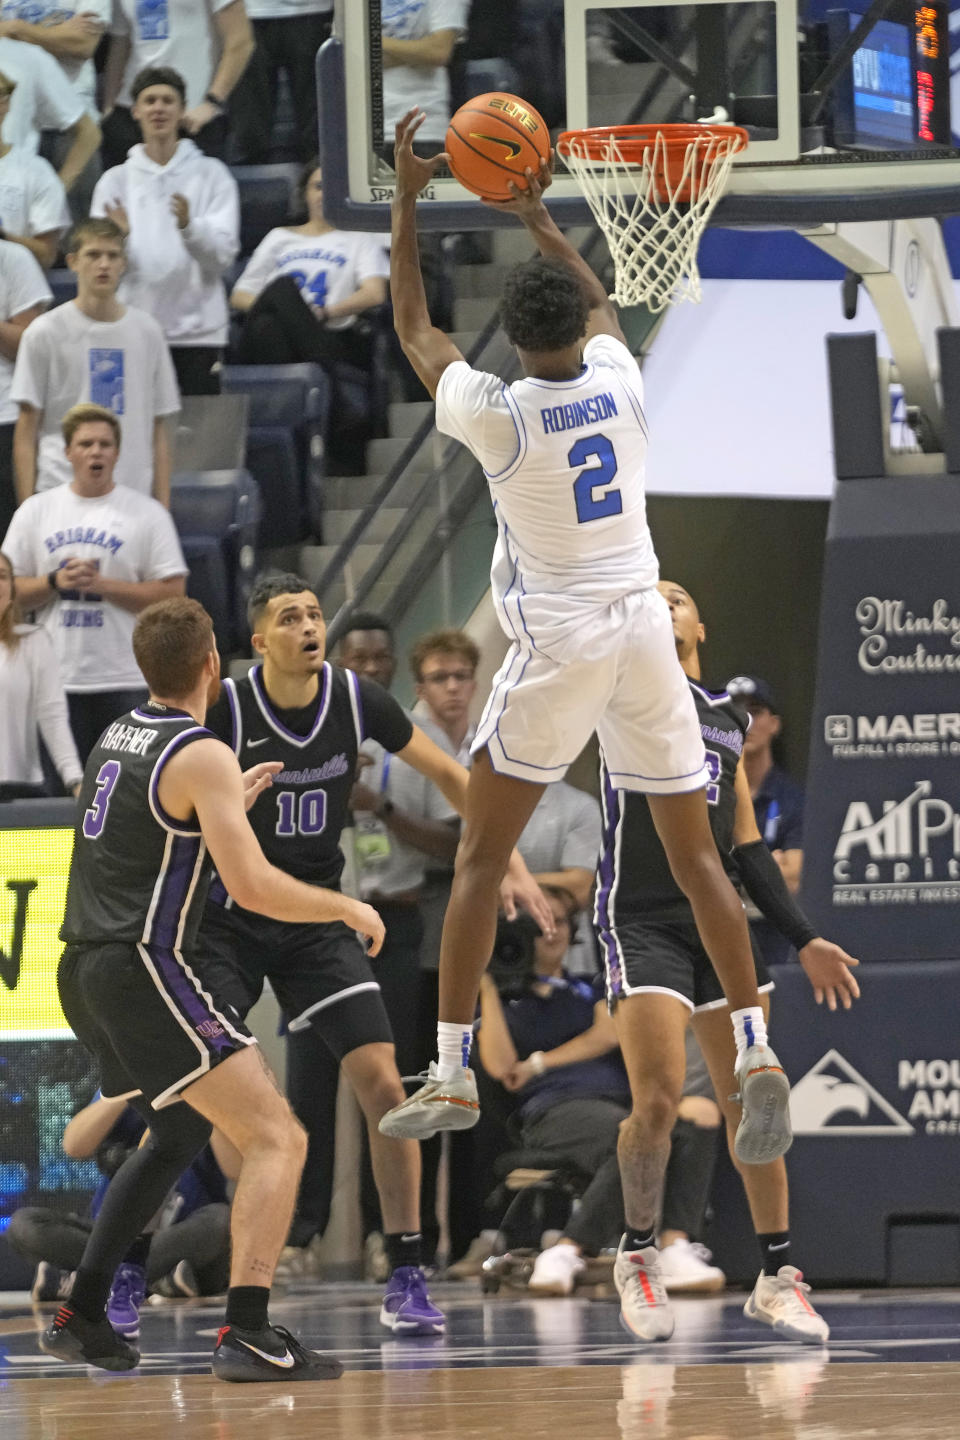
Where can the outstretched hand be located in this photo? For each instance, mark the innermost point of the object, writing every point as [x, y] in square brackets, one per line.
[827, 968]
[259, 778]
[527, 204]
[413, 171]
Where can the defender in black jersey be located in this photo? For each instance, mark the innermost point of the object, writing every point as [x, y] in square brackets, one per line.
[297, 709]
[659, 978]
[158, 789]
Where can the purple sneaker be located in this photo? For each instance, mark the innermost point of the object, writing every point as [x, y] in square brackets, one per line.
[407, 1308]
[126, 1296]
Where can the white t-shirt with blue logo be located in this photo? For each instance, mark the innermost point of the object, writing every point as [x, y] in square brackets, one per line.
[81, 73]
[124, 365]
[180, 33]
[327, 268]
[425, 85]
[131, 537]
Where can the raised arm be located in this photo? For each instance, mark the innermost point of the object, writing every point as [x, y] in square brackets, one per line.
[529, 208]
[428, 349]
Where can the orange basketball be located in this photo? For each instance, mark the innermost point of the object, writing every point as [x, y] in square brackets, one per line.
[491, 141]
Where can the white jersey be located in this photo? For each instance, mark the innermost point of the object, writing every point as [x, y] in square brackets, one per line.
[565, 463]
[327, 267]
[130, 537]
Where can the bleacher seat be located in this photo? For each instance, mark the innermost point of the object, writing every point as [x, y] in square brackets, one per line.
[217, 515]
[267, 199]
[289, 408]
[211, 432]
[63, 283]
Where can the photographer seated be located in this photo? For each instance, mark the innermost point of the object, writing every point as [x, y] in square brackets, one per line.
[551, 1042]
[187, 1249]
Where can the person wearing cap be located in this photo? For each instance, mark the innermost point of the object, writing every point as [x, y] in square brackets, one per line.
[777, 799]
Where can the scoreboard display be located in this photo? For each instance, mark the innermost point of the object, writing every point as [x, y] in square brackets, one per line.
[45, 1074]
[896, 93]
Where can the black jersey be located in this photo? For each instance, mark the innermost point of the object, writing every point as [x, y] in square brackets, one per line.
[137, 874]
[300, 818]
[634, 876]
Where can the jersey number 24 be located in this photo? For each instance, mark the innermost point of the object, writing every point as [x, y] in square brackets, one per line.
[595, 498]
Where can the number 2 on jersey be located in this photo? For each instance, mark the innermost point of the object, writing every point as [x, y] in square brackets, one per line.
[714, 770]
[95, 818]
[590, 505]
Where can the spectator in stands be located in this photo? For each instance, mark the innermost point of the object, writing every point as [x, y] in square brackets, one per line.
[31, 700]
[777, 801]
[209, 43]
[304, 287]
[44, 99]
[71, 38]
[24, 294]
[555, 1047]
[188, 1250]
[88, 557]
[95, 349]
[418, 43]
[180, 213]
[288, 34]
[33, 205]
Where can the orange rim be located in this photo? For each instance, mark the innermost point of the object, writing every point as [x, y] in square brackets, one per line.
[633, 141]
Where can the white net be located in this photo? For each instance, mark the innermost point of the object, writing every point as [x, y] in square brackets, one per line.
[653, 206]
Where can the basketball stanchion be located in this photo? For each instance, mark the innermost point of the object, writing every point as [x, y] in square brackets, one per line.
[651, 189]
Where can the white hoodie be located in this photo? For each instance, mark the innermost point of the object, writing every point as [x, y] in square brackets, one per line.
[176, 275]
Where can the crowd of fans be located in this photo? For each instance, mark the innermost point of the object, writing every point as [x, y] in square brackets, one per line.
[119, 166]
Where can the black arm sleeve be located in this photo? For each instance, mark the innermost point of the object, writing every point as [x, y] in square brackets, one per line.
[764, 883]
[383, 718]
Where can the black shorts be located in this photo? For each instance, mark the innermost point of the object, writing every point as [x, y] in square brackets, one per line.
[141, 1012]
[666, 957]
[320, 975]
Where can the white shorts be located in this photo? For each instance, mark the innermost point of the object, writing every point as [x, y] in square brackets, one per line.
[628, 687]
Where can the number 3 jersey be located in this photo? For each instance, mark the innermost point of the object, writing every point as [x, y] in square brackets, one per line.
[565, 463]
[298, 820]
[634, 877]
[137, 875]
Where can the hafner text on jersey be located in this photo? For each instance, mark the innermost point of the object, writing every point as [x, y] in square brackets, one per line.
[578, 412]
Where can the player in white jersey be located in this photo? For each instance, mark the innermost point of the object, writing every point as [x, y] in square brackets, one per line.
[574, 581]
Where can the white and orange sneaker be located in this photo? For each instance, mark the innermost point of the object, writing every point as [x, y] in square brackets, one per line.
[644, 1307]
[780, 1301]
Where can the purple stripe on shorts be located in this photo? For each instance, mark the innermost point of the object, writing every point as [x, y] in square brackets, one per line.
[607, 874]
[185, 994]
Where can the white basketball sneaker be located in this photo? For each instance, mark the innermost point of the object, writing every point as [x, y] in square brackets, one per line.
[780, 1301]
[764, 1131]
[555, 1271]
[437, 1105]
[644, 1307]
[685, 1266]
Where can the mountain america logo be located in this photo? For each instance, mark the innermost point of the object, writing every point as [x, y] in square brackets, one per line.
[835, 1099]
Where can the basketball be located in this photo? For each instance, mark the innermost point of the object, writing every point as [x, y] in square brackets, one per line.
[491, 140]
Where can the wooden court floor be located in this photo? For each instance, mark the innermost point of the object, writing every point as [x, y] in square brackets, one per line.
[531, 1369]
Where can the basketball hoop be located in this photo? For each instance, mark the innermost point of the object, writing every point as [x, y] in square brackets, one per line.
[651, 189]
